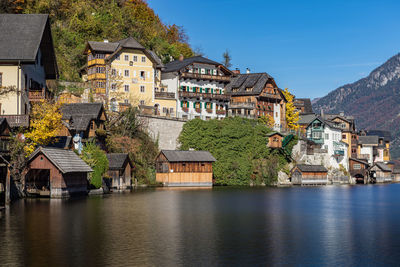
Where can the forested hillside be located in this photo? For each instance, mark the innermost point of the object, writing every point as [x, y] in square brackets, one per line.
[76, 21]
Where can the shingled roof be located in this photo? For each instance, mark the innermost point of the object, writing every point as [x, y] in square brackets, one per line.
[65, 160]
[305, 102]
[188, 156]
[311, 168]
[383, 166]
[386, 135]
[80, 114]
[256, 81]
[368, 140]
[103, 46]
[177, 65]
[23, 35]
[116, 160]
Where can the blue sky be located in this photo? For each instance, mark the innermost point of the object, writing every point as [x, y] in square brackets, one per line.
[311, 47]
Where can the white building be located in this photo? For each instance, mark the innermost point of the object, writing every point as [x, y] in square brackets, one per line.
[199, 84]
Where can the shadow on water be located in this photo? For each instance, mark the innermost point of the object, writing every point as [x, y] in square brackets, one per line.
[345, 225]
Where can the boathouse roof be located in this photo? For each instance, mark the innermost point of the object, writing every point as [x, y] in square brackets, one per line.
[188, 156]
[383, 166]
[65, 160]
[311, 168]
[116, 161]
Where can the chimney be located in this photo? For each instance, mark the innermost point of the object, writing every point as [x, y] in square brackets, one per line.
[322, 113]
[105, 40]
[236, 71]
[247, 70]
[181, 57]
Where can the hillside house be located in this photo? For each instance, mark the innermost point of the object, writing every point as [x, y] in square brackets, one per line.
[184, 168]
[200, 87]
[27, 63]
[256, 94]
[396, 175]
[359, 170]
[303, 174]
[123, 74]
[120, 171]
[303, 105]
[55, 173]
[275, 140]
[383, 145]
[367, 148]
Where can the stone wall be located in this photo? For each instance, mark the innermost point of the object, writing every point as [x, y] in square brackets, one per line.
[166, 130]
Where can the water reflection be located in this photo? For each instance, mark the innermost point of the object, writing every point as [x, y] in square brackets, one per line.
[342, 225]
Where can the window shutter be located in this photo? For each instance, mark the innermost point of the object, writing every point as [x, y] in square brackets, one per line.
[200, 104]
[201, 90]
[211, 104]
[194, 104]
[187, 104]
[212, 91]
[194, 89]
[181, 104]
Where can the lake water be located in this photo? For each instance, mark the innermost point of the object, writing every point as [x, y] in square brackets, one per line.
[332, 225]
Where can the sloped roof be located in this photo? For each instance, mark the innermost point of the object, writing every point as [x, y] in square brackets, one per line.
[311, 168]
[177, 65]
[306, 102]
[130, 42]
[386, 135]
[274, 133]
[306, 118]
[368, 140]
[65, 160]
[156, 58]
[383, 167]
[256, 81]
[103, 46]
[23, 35]
[362, 161]
[188, 156]
[81, 109]
[116, 160]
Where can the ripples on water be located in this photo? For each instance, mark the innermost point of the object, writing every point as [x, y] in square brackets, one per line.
[333, 225]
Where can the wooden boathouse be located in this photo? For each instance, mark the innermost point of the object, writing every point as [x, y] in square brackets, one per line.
[56, 173]
[184, 168]
[303, 174]
[380, 173]
[359, 170]
[120, 171]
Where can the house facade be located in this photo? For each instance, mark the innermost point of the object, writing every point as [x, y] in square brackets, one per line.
[303, 174]
[199, 84]
[256, 94]
[27, 63]
[123, 73]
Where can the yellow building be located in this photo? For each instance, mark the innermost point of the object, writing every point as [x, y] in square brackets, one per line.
[124, 73]
[27, 63]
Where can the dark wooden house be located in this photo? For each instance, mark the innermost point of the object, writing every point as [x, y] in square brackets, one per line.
[120, 171]
[184, 168]
[56, 173]
[256, 94]
[380, 173]
[275, 140]
[303, 174]
[359, 170]
[84, 119]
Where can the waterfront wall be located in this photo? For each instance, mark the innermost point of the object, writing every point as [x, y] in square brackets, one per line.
[165, 130]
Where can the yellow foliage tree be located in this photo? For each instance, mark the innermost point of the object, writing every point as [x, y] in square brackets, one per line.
[292, 116]
[45, 124]
[267, 120]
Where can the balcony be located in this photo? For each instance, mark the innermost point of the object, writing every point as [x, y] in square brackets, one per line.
[96, 61]
[164, 95]
[199, 76]
[17, 120]
[245, 105]
[269, 96]
[209, 110]
[203, 95]
[221, 112]
[36, 95]
[185, 109]
[198, 110]
[96, 76]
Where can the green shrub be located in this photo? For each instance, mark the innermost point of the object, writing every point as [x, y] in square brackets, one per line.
[97, 160]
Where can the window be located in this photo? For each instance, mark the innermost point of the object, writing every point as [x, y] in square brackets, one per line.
[171, 110]
[316, 135]
[165, 110]
[126, 101]
[143, 59]
[327, 136]
[100, 69]
[142, 102]
[126, 58]
[100, 56]
[126, 73]
[113, 105]
[113, 72]
[343, 136]
[126, 86]
[113, 86]
[142, 88]
[357, 166]
[135, 58]
[143, 75]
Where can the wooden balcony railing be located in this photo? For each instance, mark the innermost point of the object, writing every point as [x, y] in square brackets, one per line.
[199, 76]
[17, 120]
[166, 95]
[203, 95]
[245, 105]
[221, 112]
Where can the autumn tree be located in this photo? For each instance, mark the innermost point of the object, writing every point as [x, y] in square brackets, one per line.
[45, 124]
[267, 120]
[292, 116]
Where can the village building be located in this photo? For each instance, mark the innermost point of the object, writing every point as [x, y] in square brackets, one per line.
[383, 144]
[83, 120]
[27, 64]
[303, 174]
[184, 168]
[367, 148]
[380, 173]
[304, 121]
[256, 94]
[328, 136]
[5, 131]
[55, 173]
[396, 175]
[275, 140]
[303, 105]
[200, 87]
[123, 74]
[120, 171]
[359, 170]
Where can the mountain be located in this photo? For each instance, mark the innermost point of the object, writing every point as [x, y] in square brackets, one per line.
[374, 101]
